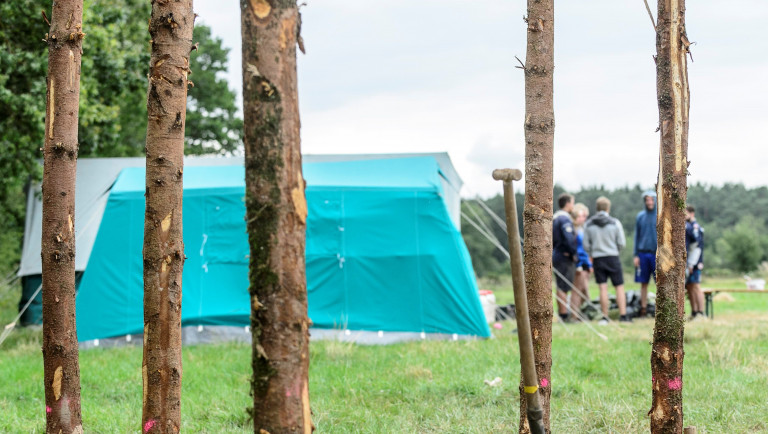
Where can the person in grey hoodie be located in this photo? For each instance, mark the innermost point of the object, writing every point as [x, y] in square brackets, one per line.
[603, 240]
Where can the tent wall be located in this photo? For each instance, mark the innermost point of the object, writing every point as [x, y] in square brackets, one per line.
[382, 252]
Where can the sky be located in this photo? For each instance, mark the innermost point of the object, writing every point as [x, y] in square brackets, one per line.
[440, 76]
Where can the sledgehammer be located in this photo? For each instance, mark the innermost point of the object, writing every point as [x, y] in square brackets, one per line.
[527, 363]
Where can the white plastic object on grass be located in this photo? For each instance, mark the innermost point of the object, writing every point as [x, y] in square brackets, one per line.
[488, 302]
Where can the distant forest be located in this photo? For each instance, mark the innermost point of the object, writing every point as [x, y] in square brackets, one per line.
[733, 217]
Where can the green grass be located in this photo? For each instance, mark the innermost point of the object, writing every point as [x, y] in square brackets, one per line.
[597, 386]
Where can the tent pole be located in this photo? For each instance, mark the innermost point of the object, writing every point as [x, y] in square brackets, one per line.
[527, 362]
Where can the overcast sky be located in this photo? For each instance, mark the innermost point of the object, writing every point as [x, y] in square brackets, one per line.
[436, 76]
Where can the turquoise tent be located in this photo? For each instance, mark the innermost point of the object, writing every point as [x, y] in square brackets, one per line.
[383, 253]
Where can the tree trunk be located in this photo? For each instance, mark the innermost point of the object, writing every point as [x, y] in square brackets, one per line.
[171, 27]
[673, 96]
[537, 215]
[60, 350]
[276, 218]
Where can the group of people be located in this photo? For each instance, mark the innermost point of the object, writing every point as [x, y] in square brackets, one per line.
[582, 246]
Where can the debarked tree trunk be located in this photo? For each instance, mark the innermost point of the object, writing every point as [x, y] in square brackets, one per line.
[170, 27]
[61, 370]
[276, 218]
[666, 412]
[537, 213]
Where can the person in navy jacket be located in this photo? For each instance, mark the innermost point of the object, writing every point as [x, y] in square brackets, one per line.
[564, 254]
[645, 247]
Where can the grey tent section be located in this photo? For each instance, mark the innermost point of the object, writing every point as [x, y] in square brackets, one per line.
[95, 177]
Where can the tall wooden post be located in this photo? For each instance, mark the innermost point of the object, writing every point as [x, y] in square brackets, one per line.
[276, 217]
[61, 370]
[673, 97]
[171, 27]
[537, 213]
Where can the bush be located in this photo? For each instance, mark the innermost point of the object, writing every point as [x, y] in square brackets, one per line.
[743, 246]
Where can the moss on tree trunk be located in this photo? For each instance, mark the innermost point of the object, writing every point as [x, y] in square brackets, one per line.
[276, 218]
[61, 370]
[537, 213]
[666, 412]
[170, 26]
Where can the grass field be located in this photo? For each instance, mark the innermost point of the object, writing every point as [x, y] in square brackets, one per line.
[597, 386]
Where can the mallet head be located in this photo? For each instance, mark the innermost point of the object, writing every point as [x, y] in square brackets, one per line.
[507, 174]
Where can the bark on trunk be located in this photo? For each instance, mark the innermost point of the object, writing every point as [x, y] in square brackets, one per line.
[276, 218]
[673, 96]
[60, 351]
[171, 27]
[537, 215]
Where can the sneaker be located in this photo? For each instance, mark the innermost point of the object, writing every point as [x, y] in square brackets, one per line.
[603, 321]
[573, 319]
[699, 316]
[625, 318]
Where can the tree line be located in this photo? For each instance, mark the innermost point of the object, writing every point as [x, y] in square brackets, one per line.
[113, 86]
[732, 215]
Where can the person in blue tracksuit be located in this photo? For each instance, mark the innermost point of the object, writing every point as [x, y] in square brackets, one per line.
[645, 247]
[694, 247]
[563, 251]
[580, 213]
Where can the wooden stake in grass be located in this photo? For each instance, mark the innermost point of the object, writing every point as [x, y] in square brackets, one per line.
[61, 369]
[527, 362]
[276, 217]
[537, 213]
[171, 27]
[673, 97]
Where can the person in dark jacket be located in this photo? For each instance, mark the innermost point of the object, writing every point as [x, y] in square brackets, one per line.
[694, 247]
[645, 248]
[603, 240]
[563, 251]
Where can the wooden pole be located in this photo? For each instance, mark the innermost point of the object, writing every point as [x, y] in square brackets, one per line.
[530, 387]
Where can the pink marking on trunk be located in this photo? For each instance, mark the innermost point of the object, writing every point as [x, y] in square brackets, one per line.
[653, 379]
[48, 409]
[294, 390]
[675, 384]
[544, 382]
[148, 426]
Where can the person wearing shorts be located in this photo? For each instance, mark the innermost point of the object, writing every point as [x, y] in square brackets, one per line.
[563, 252]
[645, 248]
[603, 240]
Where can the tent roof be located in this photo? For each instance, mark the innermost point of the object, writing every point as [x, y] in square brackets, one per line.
[96, 177]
